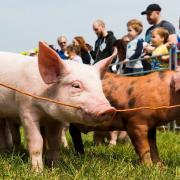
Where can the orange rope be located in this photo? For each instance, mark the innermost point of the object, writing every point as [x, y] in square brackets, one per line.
[146, 107]
[38, 97]
[64, 104]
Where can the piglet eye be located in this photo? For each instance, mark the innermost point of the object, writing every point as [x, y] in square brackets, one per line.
[76, 85]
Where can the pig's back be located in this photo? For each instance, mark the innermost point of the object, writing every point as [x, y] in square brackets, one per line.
[15, 71]
[12, 63]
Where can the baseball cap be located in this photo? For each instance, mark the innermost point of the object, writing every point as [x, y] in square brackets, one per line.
[150, 8]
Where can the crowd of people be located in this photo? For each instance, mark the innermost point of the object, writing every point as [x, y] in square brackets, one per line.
[159, 38]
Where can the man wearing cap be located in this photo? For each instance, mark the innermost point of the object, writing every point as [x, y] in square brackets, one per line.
[153, 14]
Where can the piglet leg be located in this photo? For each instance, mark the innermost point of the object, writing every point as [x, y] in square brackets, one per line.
[113, 137]
[53, 130]
[139, 137]
[153, 147]
[34, 139]
[62, 135]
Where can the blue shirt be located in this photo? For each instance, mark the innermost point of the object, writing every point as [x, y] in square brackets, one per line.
[62, 54]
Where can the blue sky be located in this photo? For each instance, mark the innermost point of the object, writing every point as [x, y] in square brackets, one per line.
[24, 23]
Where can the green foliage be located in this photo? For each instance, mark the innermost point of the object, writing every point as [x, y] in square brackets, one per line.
[99, 162]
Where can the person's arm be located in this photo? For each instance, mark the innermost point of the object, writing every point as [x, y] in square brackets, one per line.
[172, 32]
[138, 50]
[164, 50]
[137, 53]
[92, 53]
[165, 58]
[172, 38]
[111, 48]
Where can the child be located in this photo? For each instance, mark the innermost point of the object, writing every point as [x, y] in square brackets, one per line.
[120, 44]
[134, 47]
[73, 52]
[159, 38]
[84, 51]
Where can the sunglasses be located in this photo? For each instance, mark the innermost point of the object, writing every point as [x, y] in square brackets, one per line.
[62, 43]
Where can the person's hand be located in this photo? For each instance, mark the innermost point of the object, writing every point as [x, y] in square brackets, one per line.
[90, 48]
[114, 68]
[125, 61]
[147, 57]
[169, 44]
[148, 48]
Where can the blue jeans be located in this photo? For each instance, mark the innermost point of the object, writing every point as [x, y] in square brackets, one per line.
[134, 71]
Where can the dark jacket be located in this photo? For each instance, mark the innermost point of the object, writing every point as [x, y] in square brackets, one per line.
[103, 47]
[86, 58]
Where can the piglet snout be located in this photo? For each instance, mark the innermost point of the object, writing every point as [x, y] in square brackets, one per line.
[109, 112]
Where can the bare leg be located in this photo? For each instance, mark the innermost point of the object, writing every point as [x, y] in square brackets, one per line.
[76, 138]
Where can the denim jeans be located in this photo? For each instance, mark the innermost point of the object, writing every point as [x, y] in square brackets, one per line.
[132, 70]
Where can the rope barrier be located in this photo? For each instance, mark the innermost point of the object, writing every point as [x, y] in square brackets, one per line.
[141, 59]
[38, 97]
[146, 107]
[73, 106]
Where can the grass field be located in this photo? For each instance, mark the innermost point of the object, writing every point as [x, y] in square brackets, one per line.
[102, 162]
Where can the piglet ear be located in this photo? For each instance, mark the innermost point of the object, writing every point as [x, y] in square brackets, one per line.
[51, 66]
[103, 64]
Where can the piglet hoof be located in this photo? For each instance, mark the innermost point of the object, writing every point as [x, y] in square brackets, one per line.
[146, 159]
[4, 150]
[99, 142]
[161, 166]
[80, 153]
[37, 168]
[19, 149]
[112, 143]
[123, 139]
[51, 163]
[65, 146]
[52, 158]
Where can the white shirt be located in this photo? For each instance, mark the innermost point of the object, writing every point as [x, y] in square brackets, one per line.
[131, 48]
[77, 59]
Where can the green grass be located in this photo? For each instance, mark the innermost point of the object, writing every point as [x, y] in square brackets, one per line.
[102, 162]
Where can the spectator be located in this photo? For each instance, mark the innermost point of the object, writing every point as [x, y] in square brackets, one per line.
[178, 47]
[80, 41]
[153, 14]
[104, 43]
[62, 42]
[159, 39]
[74, 53]
[121, 45]
[126, 40]
[134, 47]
